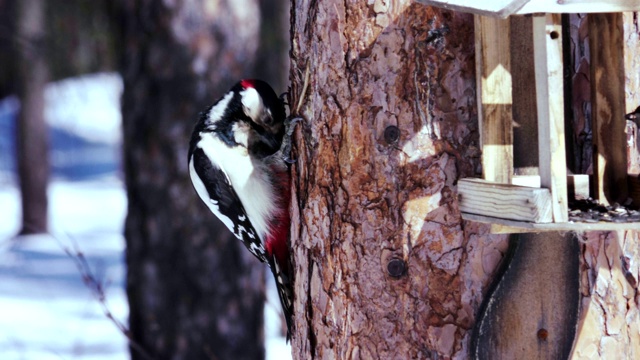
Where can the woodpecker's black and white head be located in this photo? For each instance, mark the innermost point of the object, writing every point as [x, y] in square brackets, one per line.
[250, 115]
[261, 104]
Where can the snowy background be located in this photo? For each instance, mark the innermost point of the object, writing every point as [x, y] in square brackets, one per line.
[46, 311]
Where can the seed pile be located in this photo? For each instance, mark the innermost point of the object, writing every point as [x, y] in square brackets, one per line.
[591, 211]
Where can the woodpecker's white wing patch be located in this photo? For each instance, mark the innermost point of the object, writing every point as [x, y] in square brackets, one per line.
[251, 183]
[213, 187]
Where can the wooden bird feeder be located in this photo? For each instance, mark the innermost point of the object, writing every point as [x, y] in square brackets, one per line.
[540, 203]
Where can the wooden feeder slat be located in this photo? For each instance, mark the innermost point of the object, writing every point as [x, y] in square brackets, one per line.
[493, 72]
[608, 107]
[547, 44]
[514, 202]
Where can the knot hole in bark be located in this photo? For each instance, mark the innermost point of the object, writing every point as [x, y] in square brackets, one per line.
[396, 268]
[391, 135]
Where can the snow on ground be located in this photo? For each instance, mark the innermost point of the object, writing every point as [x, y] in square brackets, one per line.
[46, 311]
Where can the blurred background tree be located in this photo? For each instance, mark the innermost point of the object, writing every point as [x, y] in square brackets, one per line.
[31, 137]
[194, 291]
[42, 41]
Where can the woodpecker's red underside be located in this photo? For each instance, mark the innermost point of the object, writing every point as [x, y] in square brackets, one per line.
[276, 241]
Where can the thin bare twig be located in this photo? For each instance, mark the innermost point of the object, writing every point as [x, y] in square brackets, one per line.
[97, 288]
[304, 90]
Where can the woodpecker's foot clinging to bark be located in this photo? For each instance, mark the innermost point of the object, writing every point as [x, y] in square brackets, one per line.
[290, 126]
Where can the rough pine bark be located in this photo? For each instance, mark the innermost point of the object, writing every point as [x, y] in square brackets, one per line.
[194, 291]
[609, 325]
[385, 268]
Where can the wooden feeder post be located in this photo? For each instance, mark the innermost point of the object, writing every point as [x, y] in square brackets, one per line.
[493, 78]
[547, 45]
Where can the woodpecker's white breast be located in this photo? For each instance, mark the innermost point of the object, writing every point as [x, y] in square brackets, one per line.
[250, 182]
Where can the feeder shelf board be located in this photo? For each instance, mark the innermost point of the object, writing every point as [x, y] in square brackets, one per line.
[506, 226]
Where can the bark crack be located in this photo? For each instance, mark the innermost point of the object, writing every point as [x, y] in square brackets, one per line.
[606, 255]
[409, 245]
[458, 248]
[310, 335]
[604, 315]
[311, 20]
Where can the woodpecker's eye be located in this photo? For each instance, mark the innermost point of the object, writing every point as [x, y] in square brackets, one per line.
[268, 118]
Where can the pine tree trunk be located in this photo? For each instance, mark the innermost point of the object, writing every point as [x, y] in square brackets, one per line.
[385, 268]
[32, 136]
[194, 291]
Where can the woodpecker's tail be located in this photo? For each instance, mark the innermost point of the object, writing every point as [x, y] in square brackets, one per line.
[285, 291]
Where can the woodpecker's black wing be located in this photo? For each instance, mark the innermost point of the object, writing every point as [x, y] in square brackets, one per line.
[223, 201]
[285, 292]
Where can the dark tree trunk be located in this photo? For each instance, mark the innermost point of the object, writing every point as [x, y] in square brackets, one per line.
[32, 135]
[272, 58]
[194, 291]
[8, 48]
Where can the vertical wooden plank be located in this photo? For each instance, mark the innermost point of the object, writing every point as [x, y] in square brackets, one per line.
[493, 69]
[525, 114]
[547, 42]
[608, 107]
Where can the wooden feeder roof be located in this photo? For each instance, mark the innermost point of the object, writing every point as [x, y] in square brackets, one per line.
[504, 8]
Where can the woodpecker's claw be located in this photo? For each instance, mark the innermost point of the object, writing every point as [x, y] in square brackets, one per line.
[290, 126]
[290, 122]
[283, 97]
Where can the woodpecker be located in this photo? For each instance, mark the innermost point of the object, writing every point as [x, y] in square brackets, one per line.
[238, 164]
